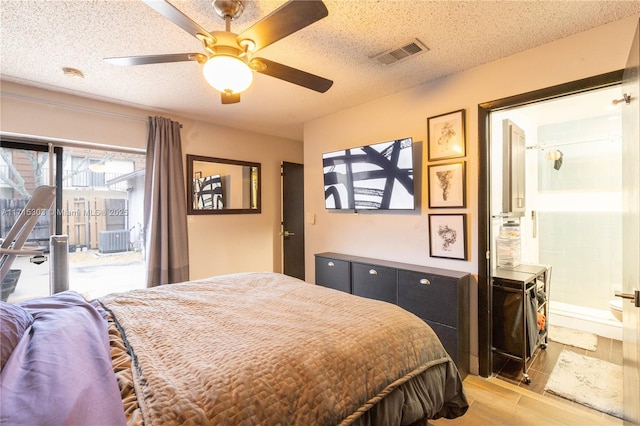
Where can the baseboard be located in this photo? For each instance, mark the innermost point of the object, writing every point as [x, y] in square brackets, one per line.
[595, 321]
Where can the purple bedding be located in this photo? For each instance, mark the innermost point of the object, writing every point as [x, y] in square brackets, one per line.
[43, 380]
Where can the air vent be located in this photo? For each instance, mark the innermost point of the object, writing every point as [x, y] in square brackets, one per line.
[410, 49]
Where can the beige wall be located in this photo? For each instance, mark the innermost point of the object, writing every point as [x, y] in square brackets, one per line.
[31, 111]
[218, 244]
[404, 236]
[229, 243]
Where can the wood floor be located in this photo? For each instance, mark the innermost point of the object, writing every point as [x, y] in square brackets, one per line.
[545, 359]
[506, 400]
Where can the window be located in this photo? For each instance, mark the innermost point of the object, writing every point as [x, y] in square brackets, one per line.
[102, 214]
[100, 211]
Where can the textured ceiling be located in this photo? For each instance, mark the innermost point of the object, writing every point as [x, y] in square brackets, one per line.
[38, 38]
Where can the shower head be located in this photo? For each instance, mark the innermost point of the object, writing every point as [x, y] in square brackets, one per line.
[558, 155]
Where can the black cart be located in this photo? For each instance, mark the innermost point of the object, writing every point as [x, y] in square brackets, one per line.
[519, 294]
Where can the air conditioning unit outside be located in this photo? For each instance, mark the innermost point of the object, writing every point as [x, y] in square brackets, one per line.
[113, 241]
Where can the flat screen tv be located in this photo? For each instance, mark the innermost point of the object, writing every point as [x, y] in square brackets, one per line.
[371, 177]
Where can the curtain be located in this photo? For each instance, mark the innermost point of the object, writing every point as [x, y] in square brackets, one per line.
[165, 205]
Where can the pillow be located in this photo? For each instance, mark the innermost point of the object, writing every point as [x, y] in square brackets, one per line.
[14, 321]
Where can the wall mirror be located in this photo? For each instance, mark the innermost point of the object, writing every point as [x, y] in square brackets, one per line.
[222, 186]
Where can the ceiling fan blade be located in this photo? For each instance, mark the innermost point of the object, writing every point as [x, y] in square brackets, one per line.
[173, 14]
[230, 98]
[286, 20]
[156, 59]
[292, 75]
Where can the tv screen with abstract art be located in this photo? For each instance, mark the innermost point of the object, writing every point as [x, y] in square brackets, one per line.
[371, 177]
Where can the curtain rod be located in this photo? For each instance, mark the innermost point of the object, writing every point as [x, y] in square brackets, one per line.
[75, 107]
[557, 144]
[69, 143]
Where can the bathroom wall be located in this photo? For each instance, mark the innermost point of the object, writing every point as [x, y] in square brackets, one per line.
[579, 208]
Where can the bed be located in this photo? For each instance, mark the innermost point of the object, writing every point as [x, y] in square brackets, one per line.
[239, 349]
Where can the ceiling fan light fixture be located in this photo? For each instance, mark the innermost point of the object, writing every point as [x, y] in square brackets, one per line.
[228, 74]
[227, 61]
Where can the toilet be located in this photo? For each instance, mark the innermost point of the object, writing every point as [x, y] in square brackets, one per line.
[615, 306]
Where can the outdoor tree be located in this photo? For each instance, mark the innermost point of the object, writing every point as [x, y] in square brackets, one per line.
[39, 162]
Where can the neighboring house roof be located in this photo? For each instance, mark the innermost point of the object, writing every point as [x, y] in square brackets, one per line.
[125, 177]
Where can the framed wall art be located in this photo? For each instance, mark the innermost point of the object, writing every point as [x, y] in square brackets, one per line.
[448, 236]
[446, 136]
[447, 185]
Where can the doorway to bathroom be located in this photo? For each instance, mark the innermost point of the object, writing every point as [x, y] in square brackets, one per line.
[570, 217]
[490, 183]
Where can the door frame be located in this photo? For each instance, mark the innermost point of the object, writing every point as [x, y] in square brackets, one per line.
[484, 192]
[19, 143]
[631, 225]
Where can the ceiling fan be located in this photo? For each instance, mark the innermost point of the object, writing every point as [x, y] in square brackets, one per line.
[228, 61]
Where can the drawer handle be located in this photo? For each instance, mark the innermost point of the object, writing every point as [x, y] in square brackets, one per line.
[425, 281]
[373, 272]
[331, 264]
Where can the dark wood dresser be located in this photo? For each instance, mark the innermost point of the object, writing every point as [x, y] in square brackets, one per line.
[440, 297]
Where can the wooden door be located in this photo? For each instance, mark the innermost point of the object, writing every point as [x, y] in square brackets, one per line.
[631, 234]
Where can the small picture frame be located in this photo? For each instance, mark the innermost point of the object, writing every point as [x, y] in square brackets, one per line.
[446, 136]
[448, 236]
[447, 185]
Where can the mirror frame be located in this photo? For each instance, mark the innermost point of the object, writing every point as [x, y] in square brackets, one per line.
[190, 210]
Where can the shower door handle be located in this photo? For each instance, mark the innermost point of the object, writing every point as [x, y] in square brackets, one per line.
[635, 296]
[534, 224]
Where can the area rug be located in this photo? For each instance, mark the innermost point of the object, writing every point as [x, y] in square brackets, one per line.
[571, 337]
[587, 381]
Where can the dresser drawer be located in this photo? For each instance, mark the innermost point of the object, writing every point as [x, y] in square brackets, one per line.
[375, 282]
[431, 297]
[449, 338]
[333, 273]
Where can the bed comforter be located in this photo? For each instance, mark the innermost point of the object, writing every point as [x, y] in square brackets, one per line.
[60, 370]
[267, 349]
